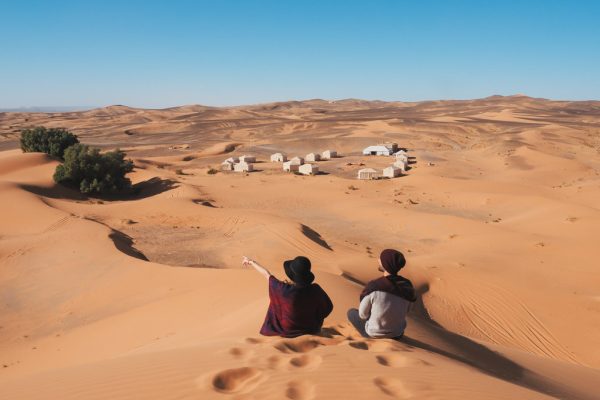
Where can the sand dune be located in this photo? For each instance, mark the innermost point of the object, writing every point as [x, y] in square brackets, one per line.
[143, 296]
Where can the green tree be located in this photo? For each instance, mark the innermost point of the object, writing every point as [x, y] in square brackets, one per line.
[94, 172]
[53, 141]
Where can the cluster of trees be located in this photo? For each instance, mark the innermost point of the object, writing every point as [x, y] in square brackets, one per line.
[53, 141]
[83, 167]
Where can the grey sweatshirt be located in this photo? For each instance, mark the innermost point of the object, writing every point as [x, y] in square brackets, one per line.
[385, 314]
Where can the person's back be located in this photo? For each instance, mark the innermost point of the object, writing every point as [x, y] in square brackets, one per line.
[385, 314]
[295, 310]
[385, 301]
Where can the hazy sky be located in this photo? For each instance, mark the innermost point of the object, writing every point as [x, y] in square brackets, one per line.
[219, 52]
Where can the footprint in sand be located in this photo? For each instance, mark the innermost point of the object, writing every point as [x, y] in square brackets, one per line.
[379, 345]
[252, 340]
[306, 361]
[303, 345]
[236, 380]
[393, 387]
[398, 360]
[300, 390]
[275, 362]
[240, 353]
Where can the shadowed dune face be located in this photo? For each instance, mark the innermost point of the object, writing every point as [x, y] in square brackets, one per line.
[498, 218]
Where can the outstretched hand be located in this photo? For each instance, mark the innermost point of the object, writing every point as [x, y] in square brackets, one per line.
[246, 261]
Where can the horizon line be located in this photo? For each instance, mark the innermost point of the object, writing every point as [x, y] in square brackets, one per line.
[74, 108]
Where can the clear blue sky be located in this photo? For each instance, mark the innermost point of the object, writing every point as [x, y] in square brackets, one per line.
[221, 52]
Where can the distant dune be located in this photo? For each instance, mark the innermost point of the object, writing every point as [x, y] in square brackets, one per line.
[143, 296]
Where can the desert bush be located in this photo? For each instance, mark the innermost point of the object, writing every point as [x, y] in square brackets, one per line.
[179, 171]
[94, 172]
[53, 141]
[212, 171]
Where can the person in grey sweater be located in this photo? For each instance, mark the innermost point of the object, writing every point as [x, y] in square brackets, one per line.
[385, 302]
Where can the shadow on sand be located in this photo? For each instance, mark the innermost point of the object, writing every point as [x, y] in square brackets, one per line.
[315, 236]
[464, 350]
[141, 190]
[475, 355]
[124, 243]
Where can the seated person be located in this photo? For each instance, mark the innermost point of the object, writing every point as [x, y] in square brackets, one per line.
[298, 307]
[385, 301]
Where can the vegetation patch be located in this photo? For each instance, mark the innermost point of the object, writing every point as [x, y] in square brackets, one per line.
[94, 172]
[52, 141]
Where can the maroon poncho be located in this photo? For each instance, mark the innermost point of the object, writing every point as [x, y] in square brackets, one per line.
[295, 310]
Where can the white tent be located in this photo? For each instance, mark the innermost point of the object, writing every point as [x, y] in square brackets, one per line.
[289, 166]
[308, 169]
[297, 160]
[248, 159]
[401, 156]
[227, 166]
[403, 165]
[329, 154]
[243, 167]
[312, 157]
[278, 157]
[392, 171]
[378, 150]
[367, 173]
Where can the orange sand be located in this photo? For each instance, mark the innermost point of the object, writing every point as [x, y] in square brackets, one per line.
[145, 297]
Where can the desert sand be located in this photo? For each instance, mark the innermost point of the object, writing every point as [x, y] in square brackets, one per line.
[144, 296]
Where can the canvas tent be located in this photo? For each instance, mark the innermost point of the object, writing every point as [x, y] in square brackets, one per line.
[297, 160]
[227, 166]
[312, 157]
[378, 150]
[248, 159]
[243, 167]
[308, 169]
[289, 166]
[401, 156]
[367, 173]
[278, 157]
[403, 165]
[329, 154]
[392, 171]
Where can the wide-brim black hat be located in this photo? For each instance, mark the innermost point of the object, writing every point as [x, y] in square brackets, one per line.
[298, 270]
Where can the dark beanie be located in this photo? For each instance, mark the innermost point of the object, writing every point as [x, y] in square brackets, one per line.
[392, 261]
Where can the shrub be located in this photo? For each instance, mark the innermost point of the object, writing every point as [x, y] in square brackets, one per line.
[92, 171]
[179, 172]
[212, 171]
[53, 141]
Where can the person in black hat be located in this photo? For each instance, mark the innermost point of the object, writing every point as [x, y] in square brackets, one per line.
[298, 307]
[385, 301]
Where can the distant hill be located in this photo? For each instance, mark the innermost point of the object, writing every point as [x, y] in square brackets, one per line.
[38, 109]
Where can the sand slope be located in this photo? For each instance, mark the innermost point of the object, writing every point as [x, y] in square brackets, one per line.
[142, 296]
